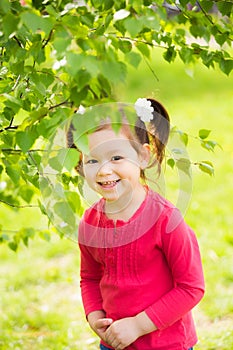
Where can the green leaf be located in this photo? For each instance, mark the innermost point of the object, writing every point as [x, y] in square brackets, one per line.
[125, 46]
[108, 4]
[113, 71]
[69, 158]
[12, 102]
[64, 211]
[55, 164]
[84, 44]
[74, 62]
[3, 237]
[144, 49]
[26, 193]
[133, 26]
[184, 165]
[37, 23]
[4, 7]
[221, 38]
[226, 65]
[170, 54]
[42, 208]
[65, 178]
[177, 151]
[184, 2]
[225, 7]
[77, 96]
[133, 58]
[204, 133]
[91, 65]
[209, 145]
[9, 24]
[83, 144]
[88, 19]
[45, 235]
[171, 162]
[27, 233]
[186, 54]
[207, 5]
[105, 85]
[207, 58]
[82, 78]
[97, 4]
[13, 246]
[183, 137]
[13, 173]
[207, 167]
[119, 25]
[199, 31]
[24, 140]
[74, 201]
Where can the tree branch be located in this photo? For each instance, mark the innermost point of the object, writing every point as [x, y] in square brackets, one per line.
[151, 69]
[19, 206]
[11, 150]
[48, 39]
[18, 41]
[59, 104]
[9, 127]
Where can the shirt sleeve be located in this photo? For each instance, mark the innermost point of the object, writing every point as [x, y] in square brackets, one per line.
[91, 273]
[182, 253]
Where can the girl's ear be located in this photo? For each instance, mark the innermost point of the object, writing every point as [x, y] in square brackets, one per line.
[145, 156]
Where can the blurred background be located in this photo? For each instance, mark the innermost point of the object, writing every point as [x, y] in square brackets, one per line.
[40, 304]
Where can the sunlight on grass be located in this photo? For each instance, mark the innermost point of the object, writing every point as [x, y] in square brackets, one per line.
[41, 304]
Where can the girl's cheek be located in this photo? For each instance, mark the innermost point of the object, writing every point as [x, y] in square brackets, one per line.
[89, 172]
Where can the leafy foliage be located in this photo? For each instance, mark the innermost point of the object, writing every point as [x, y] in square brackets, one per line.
[56, 55]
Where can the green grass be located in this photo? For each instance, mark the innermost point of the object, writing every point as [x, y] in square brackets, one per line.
[40, 305]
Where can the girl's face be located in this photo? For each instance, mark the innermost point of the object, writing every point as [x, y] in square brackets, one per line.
[112, 167]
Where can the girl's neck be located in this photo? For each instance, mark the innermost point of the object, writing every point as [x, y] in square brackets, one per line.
[124, 208]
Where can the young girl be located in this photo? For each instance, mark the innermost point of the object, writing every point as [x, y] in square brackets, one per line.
[141, 271]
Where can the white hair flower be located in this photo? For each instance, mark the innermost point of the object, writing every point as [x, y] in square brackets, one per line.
[81, 110]
[144, 109]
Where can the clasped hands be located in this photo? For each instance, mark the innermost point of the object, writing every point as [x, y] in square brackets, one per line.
[121, 333]
[118, 334]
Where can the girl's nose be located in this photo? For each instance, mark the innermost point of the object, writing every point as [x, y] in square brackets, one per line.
[105, 169]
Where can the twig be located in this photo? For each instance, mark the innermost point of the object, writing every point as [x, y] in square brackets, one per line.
[59, 104]
[16, 83]
[18, 41]
[9, 127]
[140, 41]
[10, 150]
[151, 69]
[19, 206]
[48, 39]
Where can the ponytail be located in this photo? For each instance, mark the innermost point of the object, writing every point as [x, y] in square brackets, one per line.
[156, 133]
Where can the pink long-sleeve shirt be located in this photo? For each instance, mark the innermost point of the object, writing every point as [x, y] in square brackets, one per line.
[150, 263]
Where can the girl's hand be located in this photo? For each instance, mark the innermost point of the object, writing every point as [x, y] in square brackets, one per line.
[124, 332]
[100, 327]
[99, 323]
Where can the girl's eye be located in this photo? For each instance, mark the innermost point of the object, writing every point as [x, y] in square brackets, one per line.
[116, 158]
[91, 161]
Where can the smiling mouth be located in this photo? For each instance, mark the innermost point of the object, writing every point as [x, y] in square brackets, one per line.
[108, 183]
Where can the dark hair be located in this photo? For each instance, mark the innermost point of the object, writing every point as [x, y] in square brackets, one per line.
[71, 144]
[156, 134]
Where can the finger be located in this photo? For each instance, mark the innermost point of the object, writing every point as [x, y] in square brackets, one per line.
[103, 322]
[116, 344]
